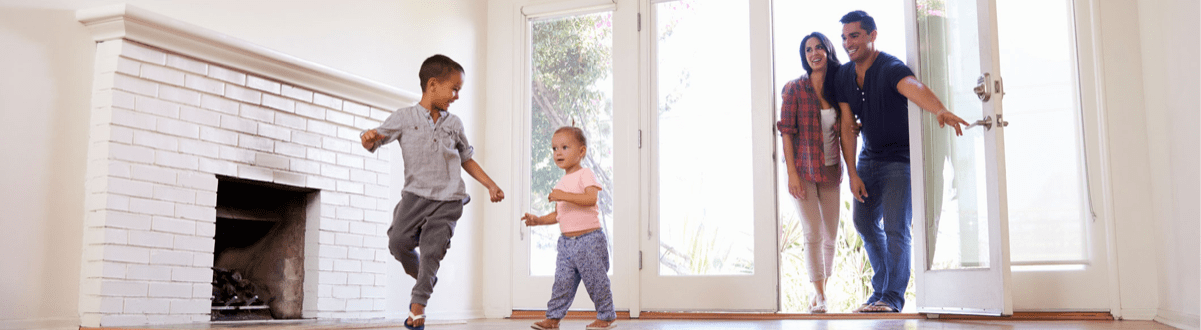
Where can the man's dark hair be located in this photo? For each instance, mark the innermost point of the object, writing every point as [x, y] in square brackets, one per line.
[438, 66]
[865, 21]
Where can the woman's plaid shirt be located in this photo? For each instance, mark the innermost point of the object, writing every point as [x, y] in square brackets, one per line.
[800, 115]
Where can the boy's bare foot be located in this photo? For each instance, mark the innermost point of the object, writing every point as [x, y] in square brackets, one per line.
[601, 325]
[546, 324]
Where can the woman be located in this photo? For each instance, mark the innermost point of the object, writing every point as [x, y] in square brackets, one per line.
[809, 125]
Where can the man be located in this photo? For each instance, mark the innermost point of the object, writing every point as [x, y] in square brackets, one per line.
[875, 88]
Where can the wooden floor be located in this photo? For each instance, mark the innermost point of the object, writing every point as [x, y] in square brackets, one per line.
[642, 324]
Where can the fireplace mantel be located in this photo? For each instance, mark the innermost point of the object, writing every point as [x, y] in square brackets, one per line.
[123, 21]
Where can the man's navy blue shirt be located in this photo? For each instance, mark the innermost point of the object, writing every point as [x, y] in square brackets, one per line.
[879, 106]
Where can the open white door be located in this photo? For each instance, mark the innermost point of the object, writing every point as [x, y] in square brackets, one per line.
[961, 238]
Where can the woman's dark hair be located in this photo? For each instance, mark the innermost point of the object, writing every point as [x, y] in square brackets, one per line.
[437, 66]
[832, 63]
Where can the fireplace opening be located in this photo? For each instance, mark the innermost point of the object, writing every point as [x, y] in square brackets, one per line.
[258, 268]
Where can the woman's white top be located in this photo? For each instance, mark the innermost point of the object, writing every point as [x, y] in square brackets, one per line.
[829, 144]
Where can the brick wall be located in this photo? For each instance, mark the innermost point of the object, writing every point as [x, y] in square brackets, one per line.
[163, 126]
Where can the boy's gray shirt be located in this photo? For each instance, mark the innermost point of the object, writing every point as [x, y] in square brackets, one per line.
[433, 154]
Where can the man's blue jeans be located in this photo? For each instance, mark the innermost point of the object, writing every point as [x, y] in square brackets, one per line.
[883, 220]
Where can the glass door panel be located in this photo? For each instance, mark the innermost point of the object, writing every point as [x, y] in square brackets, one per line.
[709, 226]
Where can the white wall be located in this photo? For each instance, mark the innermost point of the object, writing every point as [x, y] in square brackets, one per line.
[1170, 47]
[45, 78]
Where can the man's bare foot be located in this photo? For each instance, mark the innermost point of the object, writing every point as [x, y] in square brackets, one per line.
[546, 324]
[419, 310]
[600, 324]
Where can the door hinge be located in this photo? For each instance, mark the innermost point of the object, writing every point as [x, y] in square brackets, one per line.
[639, 22]
[639, 139]
[639, 260]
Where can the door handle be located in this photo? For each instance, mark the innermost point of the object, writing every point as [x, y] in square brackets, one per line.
[983, 88]
[986, 122]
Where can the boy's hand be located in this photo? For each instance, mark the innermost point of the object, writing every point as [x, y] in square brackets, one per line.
[530, 220]
[556, 195]
[496, 194]
[369, 138]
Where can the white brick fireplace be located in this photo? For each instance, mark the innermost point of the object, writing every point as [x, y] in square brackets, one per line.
[173, 107]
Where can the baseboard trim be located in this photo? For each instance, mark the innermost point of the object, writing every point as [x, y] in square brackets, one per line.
[1018, 316]
[1139, 314]
[1179, 320]
[53, 323]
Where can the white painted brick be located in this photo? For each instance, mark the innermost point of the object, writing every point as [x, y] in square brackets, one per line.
[169, 257]
[146, 306]
[304, 166]
[363, 202]
[334, 225]
[133, 119]
[305, 138]
[151, 207]
[383, 256]
[206, 198]
[162, 74]
[154, 174]
[325, 265]
[191, 274]
[143, 53]
[297, 93]
[128, 66]
[350, 213]
[332, 252]
[104, 235]
[329, 212]
[359, 304]
[378, 292]
[107, 81]
[156, 107]
[203, 182]
[148, 272]
[190, 306]
[380, 115]
[361, 254]
[112, 202]
[227, 75]
[326, 237]
[199, 148]
[346, 291]
[375, 267]
[323, 128]
[202, 290]
[257, 113]
[356, 109]
[127, 220]
[274, 132]
[110, 305]
[170, 290]
[124, 253]
[286, 178]
[330, 143]
[256, 143]
[217, 166]
[177, 160]
[340, 118]
[206, 230]
[349, 133]
[219, 104]
[311, 111]
[365, 122]
[168, 319]
[291, 121]
[200, 116]
[123, 289]
[319, 182]
[335, 278]
[164, 193]
[155, 140]
[126, 187]
[377, 166]
[354, 162]
[323, 156]
[361, 279]
[327, 101]
[218, 135]
[279, 103]
[119, 319]
[97, 269]
[174, 225]
[336, 172]
[243, 94]
[334, 198]
[292, 150]
[123, 99]
[134, 85]
[206, 214]
[203, 259]
[150, 239]
[350, 187]
[203, 84]
[270, 160]
[254, 173]
[347, 240]
[262, 84]
[362, 228]
[186, 64]
[331, 304]
[179, 95]
[193, 243]
[239, 124]
[377, 241]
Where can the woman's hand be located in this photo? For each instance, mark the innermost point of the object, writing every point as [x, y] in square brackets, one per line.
[795, 187]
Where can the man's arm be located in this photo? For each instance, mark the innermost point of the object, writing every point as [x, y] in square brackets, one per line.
[588, 198]
[477, 172]
[917, 92]
[849, 143]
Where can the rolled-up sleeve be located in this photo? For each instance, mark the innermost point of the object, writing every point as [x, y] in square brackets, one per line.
[462, 145]
[788, 109]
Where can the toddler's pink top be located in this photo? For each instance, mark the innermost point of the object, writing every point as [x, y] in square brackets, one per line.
[574, 217]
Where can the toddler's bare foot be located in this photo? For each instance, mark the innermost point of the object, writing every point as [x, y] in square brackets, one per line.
[546, 324]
